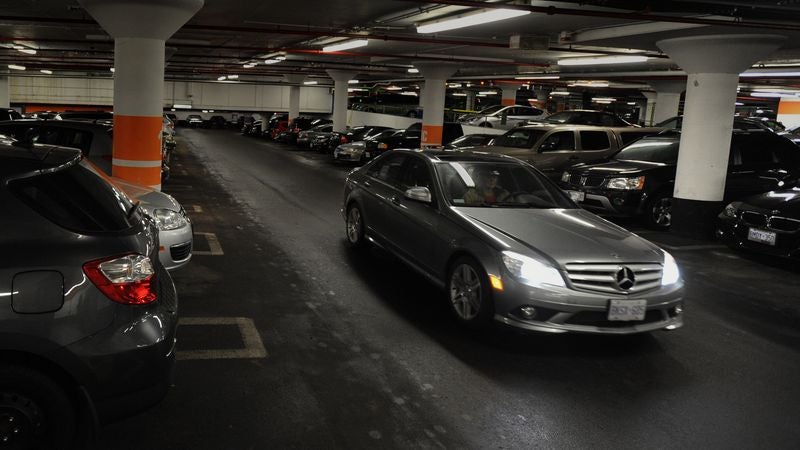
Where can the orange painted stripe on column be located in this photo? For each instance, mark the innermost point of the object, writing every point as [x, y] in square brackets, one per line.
[148, 176]
[137, 137]
[508, 101]
[785, 107]
[431, 135]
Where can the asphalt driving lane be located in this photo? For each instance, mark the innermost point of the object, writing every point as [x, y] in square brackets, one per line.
[361, 351]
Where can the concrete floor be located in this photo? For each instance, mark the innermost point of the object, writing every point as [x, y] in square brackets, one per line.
[290, 340]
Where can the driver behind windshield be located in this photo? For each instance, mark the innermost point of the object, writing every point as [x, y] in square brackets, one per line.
[486, 190]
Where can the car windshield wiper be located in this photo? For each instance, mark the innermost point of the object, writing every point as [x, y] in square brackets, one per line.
[510, 205]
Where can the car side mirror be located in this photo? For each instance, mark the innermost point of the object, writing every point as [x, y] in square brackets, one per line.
[419, 193]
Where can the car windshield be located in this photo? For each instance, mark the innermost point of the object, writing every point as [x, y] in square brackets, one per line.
[659, 150]
[520, 138]
[562, 117]
[497, 184]
[491, 110]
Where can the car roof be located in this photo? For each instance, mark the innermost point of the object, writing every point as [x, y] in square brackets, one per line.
[17, 160]
[71, 123]
[460, 155]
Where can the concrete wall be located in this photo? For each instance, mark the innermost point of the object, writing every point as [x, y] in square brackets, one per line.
[211, 95]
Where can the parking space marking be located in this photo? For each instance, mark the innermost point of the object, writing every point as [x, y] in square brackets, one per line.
[213, 244]
[253, 345]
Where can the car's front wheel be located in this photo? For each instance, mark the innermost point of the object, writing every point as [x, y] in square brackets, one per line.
[658, 214]
[469, 293]
[35, 412]
[354, 227]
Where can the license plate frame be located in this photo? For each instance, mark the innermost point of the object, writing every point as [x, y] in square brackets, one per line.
[577, 196]
[626, 310]
[762, 236]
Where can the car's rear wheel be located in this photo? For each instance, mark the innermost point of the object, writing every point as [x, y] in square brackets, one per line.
[469, 293]
[658, 214]
[354, 227]
[35, 412]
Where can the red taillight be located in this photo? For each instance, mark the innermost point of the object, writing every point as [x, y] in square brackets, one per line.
[343, 139]
[127, 279]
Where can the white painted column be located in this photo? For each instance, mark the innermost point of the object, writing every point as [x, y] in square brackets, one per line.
[470, 101]
[713, 65]
[509, 96]
[139, 28]
[5, 92]
[340, 84]
[668, 99]
[294, 95]
[433, 101]
[650, 108]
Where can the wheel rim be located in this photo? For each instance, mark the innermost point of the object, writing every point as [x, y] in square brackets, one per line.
[465, 292]
[662, 212]
[20, 420]
[354, 225]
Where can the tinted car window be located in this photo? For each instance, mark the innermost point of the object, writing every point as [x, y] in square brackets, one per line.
[594, 140]
[653, 150]
[562, 140]
[416, 174]
[521, 138]
[388, 169]
[76, 199]
[764, 148]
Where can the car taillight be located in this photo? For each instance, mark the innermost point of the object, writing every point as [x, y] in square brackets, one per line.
[343, 140]
[127, 279]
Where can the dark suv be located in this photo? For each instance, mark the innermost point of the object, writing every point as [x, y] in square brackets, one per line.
[410, 138]
[87, 312]
[639, 180]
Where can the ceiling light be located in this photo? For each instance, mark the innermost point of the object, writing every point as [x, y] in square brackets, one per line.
[16, 67]
[272, 61]
[346, 45]
[111, 69]
[589, 84]
[280, 58]
[233, 77]
[459, 94]
[46, 72]
[769, 74]
[413, 70]
[538, 77]
[205, 111]
[487, 93]
[604, 99]
[352, 81]
[394, 88]
[222, 78]
[739, 104]
[560, 93]
[181, 106]
[632, 103]
[772, 94]
[249, 65]
[469, 20]
[309, 83]
[409, 93]
[597, 60]
[454, 85]
[210, 110]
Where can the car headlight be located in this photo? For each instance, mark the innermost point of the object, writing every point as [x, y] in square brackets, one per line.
[627, 184]
[530, 271]
[167, 219]
[383, 146]
[671, 274]
[565, 177]
[731, 209]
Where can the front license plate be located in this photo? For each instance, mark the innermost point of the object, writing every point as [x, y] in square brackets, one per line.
[577, 196]
[626, 310]
[761, 236]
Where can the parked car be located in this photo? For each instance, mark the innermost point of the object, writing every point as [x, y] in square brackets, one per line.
[297, 125]
[387, 103]
[352, 135]
[94, 141]
[87, 328]
[194, 120]
[410, 138]
[552, 148]
[768, 223]
[305, 137]
[471, 140]
[277, 124]
[215, 122]
[508, 246]
[639, 180]
[253, 128]
[360, 151]
[584, 117]
[84, 115]
[9, 114]
[505, 117]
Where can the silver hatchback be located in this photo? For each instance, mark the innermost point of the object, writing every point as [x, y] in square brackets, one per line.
[507, 245]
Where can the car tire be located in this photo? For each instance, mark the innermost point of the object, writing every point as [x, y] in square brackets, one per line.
[354, 227]
[469, 293]
[658, 213]
[45, 415]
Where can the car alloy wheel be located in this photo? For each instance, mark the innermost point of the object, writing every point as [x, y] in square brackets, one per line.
[470, 297]
[355, 227]
[661, 212]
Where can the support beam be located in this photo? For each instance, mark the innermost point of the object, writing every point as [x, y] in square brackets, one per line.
[5, 92]
[294, 95]
[668, 99]
[509, 96]
[433, 101]
[340, 80]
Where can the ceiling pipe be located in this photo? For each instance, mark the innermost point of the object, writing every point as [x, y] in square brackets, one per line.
[636, 16]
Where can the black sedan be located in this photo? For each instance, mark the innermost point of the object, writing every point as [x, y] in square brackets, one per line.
[411, 138]
[639, 180]
[767, 223]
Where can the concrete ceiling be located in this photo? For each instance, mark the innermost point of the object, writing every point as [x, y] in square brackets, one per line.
[224, 35]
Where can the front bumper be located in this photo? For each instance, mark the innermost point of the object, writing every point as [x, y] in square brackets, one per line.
[734, 233]
[175, 249]
[348, 154]
[617, 203]
[562, 310]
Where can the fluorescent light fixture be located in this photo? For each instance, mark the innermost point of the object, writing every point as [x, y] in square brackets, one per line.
[222, 78]
[769, 74]
[173, 109]
[233, 77]
[112, 70]
[249, 65]
[414, 94]
[589, 84]
[487, 93]
[632, 103]
[538, 77]
[205, 111]
[739, 104]
[413, 70]
[772, 94]
[352, 81]
[564, 93]
[394, 88]
[210, 110]
[598, 60]
[280, 58]
[46, 72]
[310, 83]
[454, 85]
[181, 106]
[16, 67]
[459, 94]
[480, 95]
[468, 20]
[346, 45]
[602, 102]
[604, 99]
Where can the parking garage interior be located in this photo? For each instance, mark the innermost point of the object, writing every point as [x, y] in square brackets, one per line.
[297, 329]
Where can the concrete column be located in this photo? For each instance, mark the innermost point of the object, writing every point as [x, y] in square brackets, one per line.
[421, 93]
[139, 29]
[470, 101]
[294, 95]
[509, 96]
[668, 99]
[713, 65]
[340, 79]
[650, 108]
[5, 92]
[433, 101]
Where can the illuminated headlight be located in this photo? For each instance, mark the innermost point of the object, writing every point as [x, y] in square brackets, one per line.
[167, 219]
[383, 146]
[565, 177]
[627, 184]
[530, 271]
[731, 209]
[671, 273]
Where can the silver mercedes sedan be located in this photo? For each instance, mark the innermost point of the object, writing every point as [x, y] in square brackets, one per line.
[507, 245]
